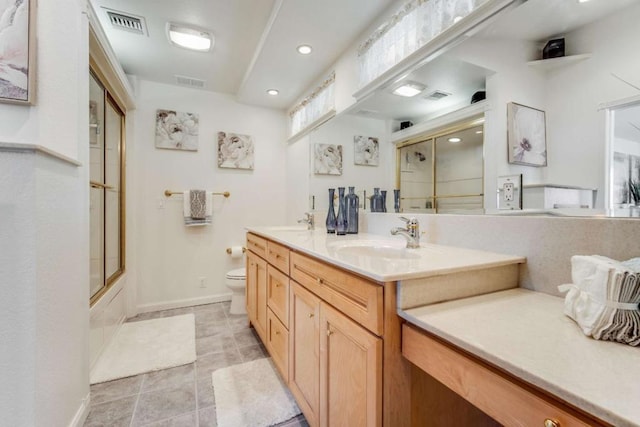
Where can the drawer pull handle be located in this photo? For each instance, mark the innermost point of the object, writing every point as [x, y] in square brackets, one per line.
[311, 315]
[320, 281]
[551, 423]
[277, 332]
[277, 285]
[329, 332]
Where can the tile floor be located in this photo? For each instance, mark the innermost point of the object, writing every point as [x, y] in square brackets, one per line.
[181, 396]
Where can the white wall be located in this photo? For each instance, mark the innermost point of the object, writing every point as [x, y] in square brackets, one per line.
[44, 242]
[171, 257]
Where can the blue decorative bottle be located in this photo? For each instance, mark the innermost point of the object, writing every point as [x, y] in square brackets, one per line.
[353, 204]
[396, 200]
[331, 214]
[383, 194]
[341, 220]
[376, 200]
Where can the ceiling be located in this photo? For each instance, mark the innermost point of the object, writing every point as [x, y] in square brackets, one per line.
[627, 123]
[255, 42]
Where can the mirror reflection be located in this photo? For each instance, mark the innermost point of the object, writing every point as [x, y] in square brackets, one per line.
[583, 175]
[443, 173]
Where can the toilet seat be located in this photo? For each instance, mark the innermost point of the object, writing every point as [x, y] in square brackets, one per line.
[237, 274]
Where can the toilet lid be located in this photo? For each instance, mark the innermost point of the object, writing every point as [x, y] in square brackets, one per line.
[238, 273]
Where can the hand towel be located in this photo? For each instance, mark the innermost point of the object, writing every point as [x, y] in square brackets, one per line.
[603, 298]
[198, 201]
[189, 219]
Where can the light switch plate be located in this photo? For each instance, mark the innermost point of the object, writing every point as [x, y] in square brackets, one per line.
[510, 192]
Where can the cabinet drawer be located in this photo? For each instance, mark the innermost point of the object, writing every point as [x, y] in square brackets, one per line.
[257, 245]
[278, 256]
[357, 298]
[507, 400]
[278, 294]
[278, 344]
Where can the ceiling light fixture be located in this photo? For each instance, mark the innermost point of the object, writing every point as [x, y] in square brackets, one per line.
[190, 37]
[409, 89]
[479, 132]
[273, 92]
[582, 1]
[457, 19]
[454, 139]
[304, 49]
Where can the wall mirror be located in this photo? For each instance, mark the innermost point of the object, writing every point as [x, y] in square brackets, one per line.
[504, 59]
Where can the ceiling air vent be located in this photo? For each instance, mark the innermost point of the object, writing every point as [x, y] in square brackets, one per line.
[121, 21]
[436, 95]
[367, 113]
[189, 81]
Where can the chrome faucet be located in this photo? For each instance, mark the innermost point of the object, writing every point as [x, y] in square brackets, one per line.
[309, 220]
[412, 232]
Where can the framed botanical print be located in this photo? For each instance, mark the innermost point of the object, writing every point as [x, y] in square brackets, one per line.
[526, 135]
[17, 51]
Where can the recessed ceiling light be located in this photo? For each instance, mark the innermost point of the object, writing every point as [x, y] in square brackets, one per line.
[190, 37]
[582, 1]
[304, 49]
[478, 132]
[409, 89]
[454, 139]
[273, 92]
[457, 19]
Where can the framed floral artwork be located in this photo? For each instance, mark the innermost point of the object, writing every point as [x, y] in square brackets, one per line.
[526, 135]
[366, 150]
[176, 130]
[235, 151]
[17, 51]
[327, 159]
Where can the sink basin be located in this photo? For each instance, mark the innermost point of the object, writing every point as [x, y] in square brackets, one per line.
[288, 228]
[387, 249]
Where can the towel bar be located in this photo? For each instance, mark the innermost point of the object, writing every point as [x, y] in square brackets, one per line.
[170, 193]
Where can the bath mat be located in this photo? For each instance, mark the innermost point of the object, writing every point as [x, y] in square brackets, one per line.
[252, 395]
[146, 346]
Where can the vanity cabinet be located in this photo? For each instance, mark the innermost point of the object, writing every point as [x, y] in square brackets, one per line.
[330, 337]
[507, 400]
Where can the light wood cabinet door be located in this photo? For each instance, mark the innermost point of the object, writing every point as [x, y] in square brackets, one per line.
[278, 294]
[304, 350]
[278, 344]
[350, 372]
[257, 293]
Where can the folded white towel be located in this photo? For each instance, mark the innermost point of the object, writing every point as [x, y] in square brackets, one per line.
[189, 208]
[603, 298]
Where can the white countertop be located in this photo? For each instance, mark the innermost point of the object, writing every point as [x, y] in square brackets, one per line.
[527, 334]
[395, 264]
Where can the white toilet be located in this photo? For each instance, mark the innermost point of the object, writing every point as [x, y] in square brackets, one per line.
[237, 281]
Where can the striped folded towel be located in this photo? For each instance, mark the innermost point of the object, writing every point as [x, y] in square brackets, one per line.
[604, 298]
[197, 207]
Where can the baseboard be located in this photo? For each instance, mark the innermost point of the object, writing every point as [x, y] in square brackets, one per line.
[210, 299]
[82, 413]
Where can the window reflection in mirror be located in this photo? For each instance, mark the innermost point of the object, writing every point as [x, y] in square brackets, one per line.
[442, 173]
[625, 161]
